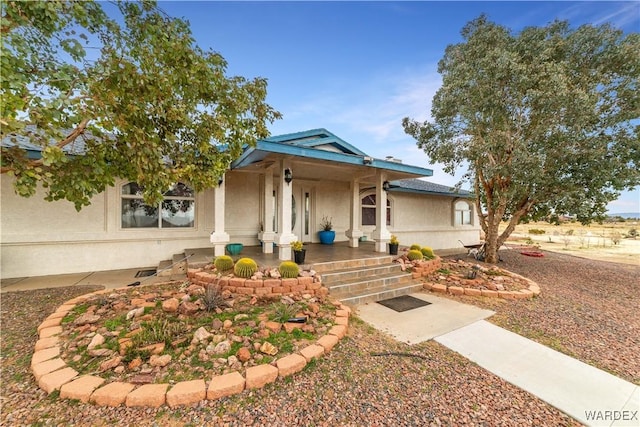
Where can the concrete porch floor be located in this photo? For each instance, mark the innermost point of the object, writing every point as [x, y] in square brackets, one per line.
[315, 253]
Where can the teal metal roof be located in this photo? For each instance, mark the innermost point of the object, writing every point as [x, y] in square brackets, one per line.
[320, 144]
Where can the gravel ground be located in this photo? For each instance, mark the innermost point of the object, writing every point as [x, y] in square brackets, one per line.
[586, 309]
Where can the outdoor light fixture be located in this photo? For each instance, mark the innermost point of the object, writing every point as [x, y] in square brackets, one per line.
[386, 186]
[288, 176]
[367, 160]
[219, 181]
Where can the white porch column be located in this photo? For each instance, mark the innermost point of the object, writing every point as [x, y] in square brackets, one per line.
[381, 234]
[267, 235]
[285, 237]
[219, 237]
[354, 233]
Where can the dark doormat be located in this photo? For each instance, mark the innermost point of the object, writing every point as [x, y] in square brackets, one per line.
[403, 303]
[145, 273]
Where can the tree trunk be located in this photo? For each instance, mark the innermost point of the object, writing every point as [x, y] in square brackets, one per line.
[491, 243]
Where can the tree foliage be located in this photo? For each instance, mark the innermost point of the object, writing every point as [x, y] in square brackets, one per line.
[547, 120]
[125, 94]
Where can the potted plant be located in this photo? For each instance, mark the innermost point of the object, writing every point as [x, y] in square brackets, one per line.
[393, 245]
[326, 233]
[298, 252]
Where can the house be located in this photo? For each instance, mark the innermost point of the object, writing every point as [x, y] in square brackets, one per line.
[274, 193]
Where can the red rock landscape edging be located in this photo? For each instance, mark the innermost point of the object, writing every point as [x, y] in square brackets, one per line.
[532, 290]
[51, 372]
[269, 287]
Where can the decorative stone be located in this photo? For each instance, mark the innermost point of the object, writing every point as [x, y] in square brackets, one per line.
[259, 376]
[201, 335]
[290, 364]
[186, 393]
[153, 395]
[226, 385]
[222, 347]
[95, 342]
[160, 361]
[188, 308]
[243, 354]
[86, 319]
[170, 305]
[110, 364]
[268, 348]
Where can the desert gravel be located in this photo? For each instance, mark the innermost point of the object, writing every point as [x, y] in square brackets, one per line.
[586, 309]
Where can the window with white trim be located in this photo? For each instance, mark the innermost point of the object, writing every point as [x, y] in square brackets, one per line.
[462, 213]
[368, 206]
[176, 210]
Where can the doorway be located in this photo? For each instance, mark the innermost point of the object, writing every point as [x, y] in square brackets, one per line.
[302, 212]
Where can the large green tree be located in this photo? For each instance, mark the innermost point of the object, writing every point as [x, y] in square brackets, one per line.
[124, 94]
[547, 121]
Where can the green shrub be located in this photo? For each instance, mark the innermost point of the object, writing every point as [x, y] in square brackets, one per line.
[427, 252]
[288, 270]
[223, 263]
[536, 231]
[415, 247]
[414, 255]
[245, 268]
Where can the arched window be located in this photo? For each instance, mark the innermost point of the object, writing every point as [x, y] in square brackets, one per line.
[177, 209]
[462, 213]
[368, 204]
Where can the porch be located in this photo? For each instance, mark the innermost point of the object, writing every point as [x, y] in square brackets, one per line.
[316, 253]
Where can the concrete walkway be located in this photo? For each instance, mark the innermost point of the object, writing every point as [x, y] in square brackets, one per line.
[590, 395]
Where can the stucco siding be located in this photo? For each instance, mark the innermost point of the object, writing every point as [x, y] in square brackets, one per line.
[42, 238]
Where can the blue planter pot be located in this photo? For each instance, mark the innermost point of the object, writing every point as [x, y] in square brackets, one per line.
[327, 237]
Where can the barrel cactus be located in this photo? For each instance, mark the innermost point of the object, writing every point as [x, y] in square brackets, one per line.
[414, 255]
[414, 247]
[245, 268]
[427, 252]
[288, 270]
[223, 263]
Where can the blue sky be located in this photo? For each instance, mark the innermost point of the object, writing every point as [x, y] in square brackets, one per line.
[358, 68]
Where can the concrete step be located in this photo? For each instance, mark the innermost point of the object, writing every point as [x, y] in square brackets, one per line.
[199, 257]
[380, 293]
[363, 284]
[326, 267]
[164, 268]
[343, 276]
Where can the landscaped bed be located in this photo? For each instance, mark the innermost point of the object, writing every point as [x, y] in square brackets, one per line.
[458, 277]
[175, 332]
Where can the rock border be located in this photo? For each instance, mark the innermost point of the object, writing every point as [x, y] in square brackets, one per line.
[533, 289]
[52, 373]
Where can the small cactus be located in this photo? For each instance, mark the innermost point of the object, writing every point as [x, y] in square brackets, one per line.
[245, 268]
[414, 255]
[414, 247]
[223, 263]
[289, 270]
[427, 252]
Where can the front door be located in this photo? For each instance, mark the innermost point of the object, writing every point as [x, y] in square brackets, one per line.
[301, 212]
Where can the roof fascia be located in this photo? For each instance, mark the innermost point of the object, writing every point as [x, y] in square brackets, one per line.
[433, 193]
[330, 138]
[300, 151]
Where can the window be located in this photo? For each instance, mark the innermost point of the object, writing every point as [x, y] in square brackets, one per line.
[176, 210]
[462, 212]
[368, 204]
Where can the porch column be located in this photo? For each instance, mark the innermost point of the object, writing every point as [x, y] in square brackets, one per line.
[285, 237]
[267, 235]
[354, 233]
[219, 237]
[381, 235]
